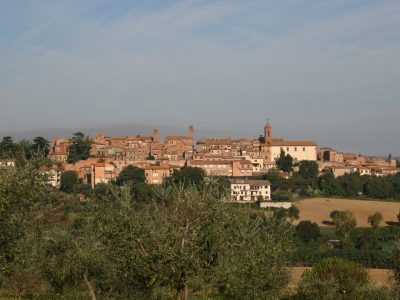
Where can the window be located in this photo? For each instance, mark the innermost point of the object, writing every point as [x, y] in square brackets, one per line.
[295, 148]
[287, 148]
[304, 149]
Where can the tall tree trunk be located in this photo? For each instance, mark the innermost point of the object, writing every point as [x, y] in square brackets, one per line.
[90, 287]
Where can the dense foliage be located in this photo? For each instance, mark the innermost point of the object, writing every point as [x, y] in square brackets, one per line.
[180, 240]
[305, 183]
[131, 175]
[284, 162]
[139, 241]
[25, 148]
[79, 149]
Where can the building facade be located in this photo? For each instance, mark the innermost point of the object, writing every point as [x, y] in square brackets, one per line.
[250, 190]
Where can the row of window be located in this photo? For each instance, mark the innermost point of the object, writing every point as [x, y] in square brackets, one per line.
[295, 148]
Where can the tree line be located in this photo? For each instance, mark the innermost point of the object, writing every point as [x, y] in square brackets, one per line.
[307, 182]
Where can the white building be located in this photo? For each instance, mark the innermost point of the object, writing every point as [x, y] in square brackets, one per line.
[250, 190]
[7, 162]
[299, 150]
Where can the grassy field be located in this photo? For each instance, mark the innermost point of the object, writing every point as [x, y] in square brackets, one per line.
[318, 209]
[380, 277]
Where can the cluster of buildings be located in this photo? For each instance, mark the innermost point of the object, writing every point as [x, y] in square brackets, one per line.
[237, 159]
[347, 163]
[233, 158]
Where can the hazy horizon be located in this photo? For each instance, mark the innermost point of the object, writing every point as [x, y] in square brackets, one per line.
[321, 70]
[200, 132]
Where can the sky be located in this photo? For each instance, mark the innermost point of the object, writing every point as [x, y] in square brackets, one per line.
[324, 70]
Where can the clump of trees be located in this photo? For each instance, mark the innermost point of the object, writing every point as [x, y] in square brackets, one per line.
[307, 231]
[306, 182]
[23, 148]
[79, 149]
[284, 162]
[345, 222]
[336, 278]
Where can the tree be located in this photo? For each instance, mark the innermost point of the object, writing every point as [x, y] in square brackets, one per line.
[334, 278]
[188, 176]
[329, 185]
[308, 169]
[351, 184]
[345, 222]
[68, 180]
[7, 147]
[40, 144]
[131, 175]
[394, 258]
[378, 187]
[277, 181]
[307, 231]
[25, 199]
[375, 219]
[284, 162]
[79, 148]
[24, 148]
[293, 213]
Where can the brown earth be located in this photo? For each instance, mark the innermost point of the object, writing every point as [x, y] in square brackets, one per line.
[380, 277]
[318, 210]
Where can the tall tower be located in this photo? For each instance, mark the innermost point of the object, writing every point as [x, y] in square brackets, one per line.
[191, 131]
[155, 135]
[267, 133]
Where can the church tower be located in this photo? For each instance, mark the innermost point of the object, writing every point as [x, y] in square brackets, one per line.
[155, 135]
[191, 131]
[267, 133]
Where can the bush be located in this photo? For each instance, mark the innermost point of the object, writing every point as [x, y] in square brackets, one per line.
[334, 278]
[68, 180]
[307, 231]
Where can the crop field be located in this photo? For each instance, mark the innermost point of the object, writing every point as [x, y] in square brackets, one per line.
[380, 277]
[318, 209]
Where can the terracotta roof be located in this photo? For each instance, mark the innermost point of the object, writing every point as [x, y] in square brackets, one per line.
[176, 138]
[210, 162]
[162, 167]
[99, 165]
[250, 182]
[293, 143]
[243, 162]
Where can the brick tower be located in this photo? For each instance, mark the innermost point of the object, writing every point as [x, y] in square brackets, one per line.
[267, 133]
[155, 135]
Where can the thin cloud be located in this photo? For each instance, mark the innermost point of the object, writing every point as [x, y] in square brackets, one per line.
[220, 64]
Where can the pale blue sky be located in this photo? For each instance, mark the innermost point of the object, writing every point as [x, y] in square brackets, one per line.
[326, 70]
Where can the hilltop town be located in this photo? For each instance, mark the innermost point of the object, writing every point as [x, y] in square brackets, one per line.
[237, 158]
[242, 160]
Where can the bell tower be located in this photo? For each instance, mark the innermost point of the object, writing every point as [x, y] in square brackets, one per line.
[191, 131]
[155, 135]
[267, 132]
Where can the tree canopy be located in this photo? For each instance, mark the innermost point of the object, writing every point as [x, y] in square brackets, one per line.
[79, 149]
[188, 175]
[284, 162]
[307, 231]
[68, 180]
[131, 175]
[334, 278]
